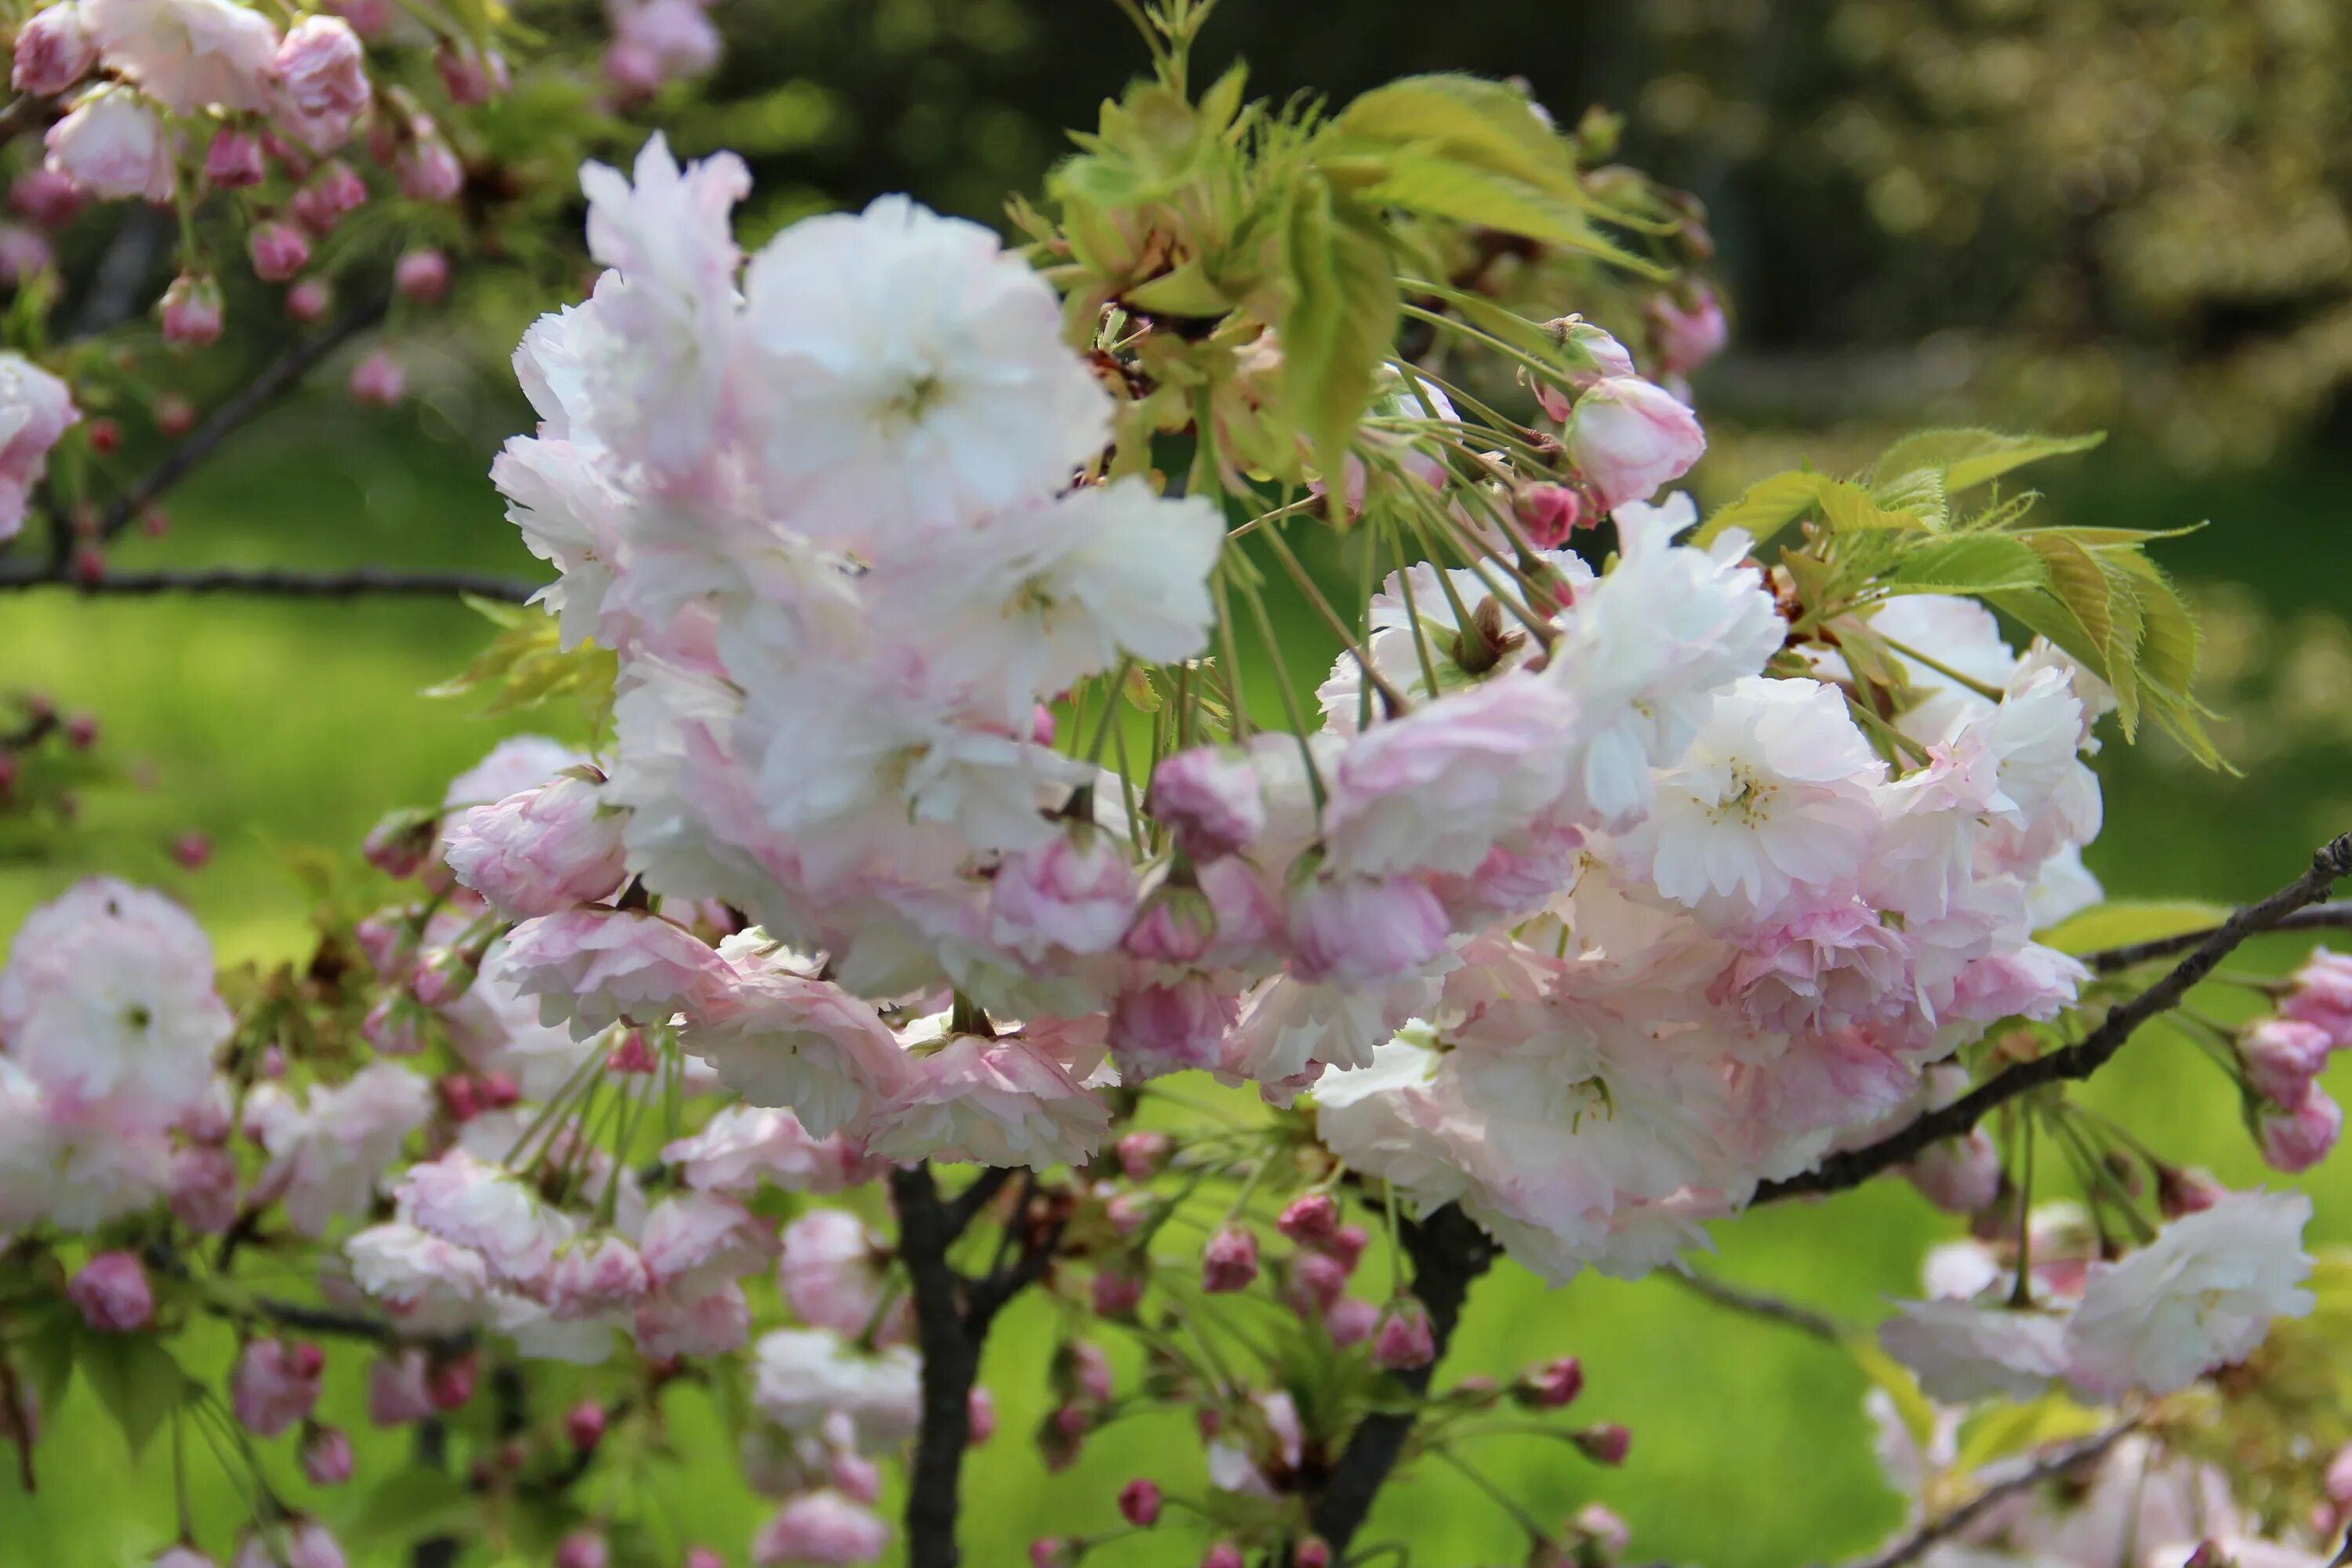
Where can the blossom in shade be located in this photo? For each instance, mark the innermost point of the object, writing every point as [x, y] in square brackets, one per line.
[233, 160]
[1229, 1261]
[695, 1242]
[377, 380]
[472, 1204]
[113, 146]
[831, 1270]
[2202, 1294]
[54, 50]
[2295, 1138]
[1005, 1101]
[274, 1385]
[1359, 931]
[186, 54]
[112, 1294]
[1961, 1352]
[326, 1457]
[330, 1150]
[278, 251]
[1208, 797]
[1076, 894]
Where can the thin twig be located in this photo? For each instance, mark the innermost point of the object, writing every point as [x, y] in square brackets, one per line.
[280, 582]
[2086, 1056]
[2056, 1463]
[2111, 960]
[224, 421]
[1757, 1304]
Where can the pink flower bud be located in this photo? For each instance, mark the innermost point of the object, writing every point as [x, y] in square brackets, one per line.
[632, 1054]
[540, 850]
[1175, 925]
[1310, 1219]
[192, 311]
[1596, 1523]
[278, 252]
[53, 51]
[2184, 1192]
[1317, 1280]
[450, 1383]
[1553, 1385]
[1045, 1552]
[233, 160]
[47, 196]
[1076, 895]
[1116, 1292]
[24, 254]
[331, 193]
[1687, 332]
[1209, 798]
[1223, 1555]
[583, 1426]
[204, 1189]
[327, 1456]
[1143, 1155]
[309, 301]
[81, 731]
[274, 1385]
[855, 1475]
[421, 274]
[112, 1294]
[192, 851]
[1629, 437]
[1605, 1444]
[428, 171]
[1138, 1502]
[2281, 1056]
[2296, 1139]
[582, 1549]
[1360, 931]
[1350, 1320]
[1959, 1175]
[396, 1389]
[400, 842]
[980, 1416]
[321, 81]
[2322, 996]
[703, 1557]
[820, 1527]
[1129, 1211]
[1548, 513]
[1347, 1244]
[1230, 1260]
[1404, 1339]
[1160, 1029]
[1091, 1369]
[470, 76]
[377, 381]
[1312, 1553]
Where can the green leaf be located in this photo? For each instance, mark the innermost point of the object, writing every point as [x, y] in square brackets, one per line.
[1441, 187]
[1972, 563]
[1917, 1414]
[135, 1378]
[1184, 291]
[1965, 459]
[408, 1506]
[1340, 320]
[1467, 122]
[2125, 921]
[1771, 504]
[2000, 1431]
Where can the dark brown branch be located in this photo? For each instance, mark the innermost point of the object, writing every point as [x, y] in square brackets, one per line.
[951, 1365]
[2110, 961]
[24, 112]
[283, 581]
[966, 1204]
[1757, 1304]
[2025, 1478]
[1448, 1252]
[226, 420]
[2086, 1056]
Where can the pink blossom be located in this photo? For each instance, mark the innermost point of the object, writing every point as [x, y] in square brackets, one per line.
[1347, 1244]
[715, 1323]
[274, 1385]
[1548, 513]
[831, 1270]
[112, 1294]
[695, 1242]
[278, 251]
[582, 1549]
[331, 193]
[1157, 1029]
[1143, 1155]
[1175, 925]
[1076, 894]
[1229, 1262]
[112, 147]
[2295, 1139]
[1404, 1339]
[2281, 1056]
[781, 1040]
[1317, 1280]
[654, 41]
[1824, 970]
[310, 299]
[47, 196]
[327, 1456]
[24, 253]
[428, 171]
[1959, 1175]
[421, 274]
[979, 1412]
[35, 410]
[1310, 1219]
[742, 1145]
[470, 76]
[299, 1544]
[1114, 1293]
[53, 51]
[541, 850]
[1628, 438]
[378, 380]
[1209, 798]
[1349, 1321]
[321, 81]
[1004, 1101]
[186, 54]
[597, 1275]
[595, 968]
[396, 1389]
[819, 1530]
[2322, 997]
[192, 311]
[583, 1426]
[1687, 332]
[1222, 1555]
[1138, 1502]
[1358, 931]
[204, 1189]
[1555, 1384]
[182, 1556]
[474, 1205]
[1604, 1444]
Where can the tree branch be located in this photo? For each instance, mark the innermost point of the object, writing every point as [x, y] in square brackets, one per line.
[2086, 1056]
[224, 421]
[2109, 960]
[23, 112]
[951, 1365]
[2024, 1478]
[1757, 1304]
[280, 582]
[1448, 1252]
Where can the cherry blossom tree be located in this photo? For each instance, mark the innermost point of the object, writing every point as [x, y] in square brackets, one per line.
[963, 897]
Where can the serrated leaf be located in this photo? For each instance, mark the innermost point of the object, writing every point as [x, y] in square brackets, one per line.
[135, 1379]
[1965, 459]
[1441, 187]
[1763, 508]
[409, 1506]
[1973, 563]
[2121, 923]
[1849, 509]
[1920, 492]
[1470, 121]
[1186, 291]
[1340, 320]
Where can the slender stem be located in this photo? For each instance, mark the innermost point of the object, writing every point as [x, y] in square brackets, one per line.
[2110, 961]
[2024, 1478]
[1757, 1304]
[276, 581]
[1389, 697]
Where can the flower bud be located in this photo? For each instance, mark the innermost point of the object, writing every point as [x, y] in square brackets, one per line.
[327, 1456]
[2184, 1192]
[1363, 930]
[112, 1294]
[1116, 1292]
[278, 252]
[192, 851]
[1687, 331]
[1629, 437]
[309, 301]
[1138, 1502]
[24, 254]
[1959, 1175]
[1317, 1280]
[450, 1383]
[1548, 513]
[421, 274]
[396, 1389]
[204, 1189]
[2296, 1139]
[703, 1557]
[1143, 1155]
[428, 171]
[1604, 1445]
[47, 196]
[1404, 1339]
[470, 76]
[1347, 1244]
[1230, 1260]
[53, 51]
[1160, 1029]
[583, 1426]
[320, 82]
[369, 18]
[980, 1416]
[192, 311]
[2281, 1056]
[1175, 925]
[331, 193]
[1553, 1385]
[1311, 1553]
[1208, 797]
[1223, 1555]
[274, 1385]
[1350, 1320]
[1049, 1552]
[233, 161]
[377, 381]
[582, 1549]
[1310, 1219]
[400, 842]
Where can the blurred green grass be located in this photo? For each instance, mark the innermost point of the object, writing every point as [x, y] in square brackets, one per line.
[270, 726]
